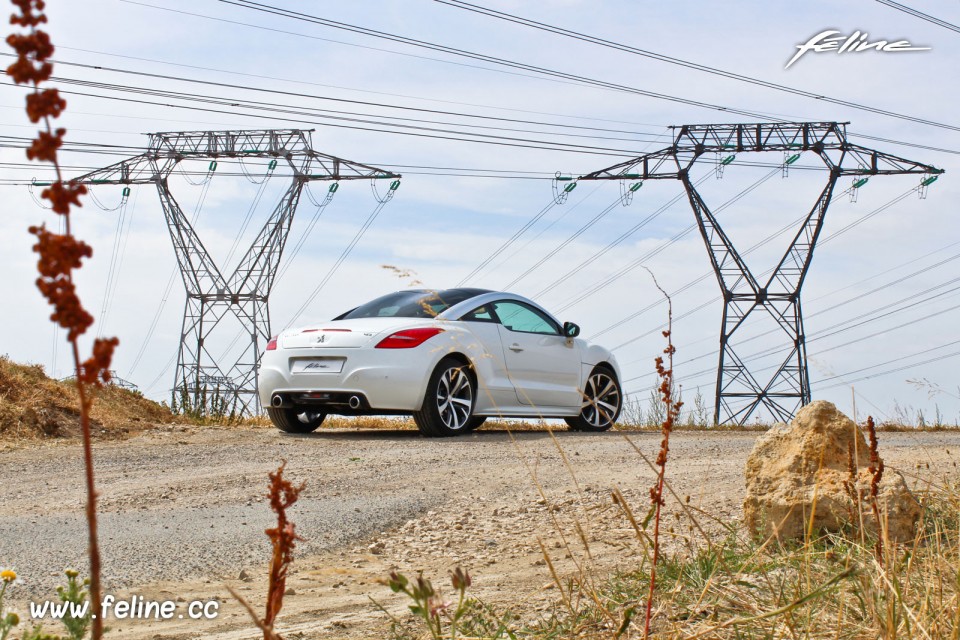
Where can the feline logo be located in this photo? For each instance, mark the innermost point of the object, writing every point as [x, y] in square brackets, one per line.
[831, 40]
[317, 365]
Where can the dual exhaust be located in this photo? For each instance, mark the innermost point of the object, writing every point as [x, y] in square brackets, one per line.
[278, 401]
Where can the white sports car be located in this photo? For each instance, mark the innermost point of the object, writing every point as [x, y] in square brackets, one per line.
[450, 358]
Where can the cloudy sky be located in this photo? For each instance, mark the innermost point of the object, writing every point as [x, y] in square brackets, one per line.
[477, 143]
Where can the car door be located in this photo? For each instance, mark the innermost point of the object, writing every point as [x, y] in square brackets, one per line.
[496, 389]
[543, 365]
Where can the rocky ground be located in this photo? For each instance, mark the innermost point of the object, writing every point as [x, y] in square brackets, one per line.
[183, 515]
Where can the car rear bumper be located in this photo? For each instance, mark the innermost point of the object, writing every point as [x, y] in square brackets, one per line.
[382, 380]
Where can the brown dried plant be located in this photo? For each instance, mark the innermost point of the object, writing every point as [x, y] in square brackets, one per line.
[876, 474]
[282, 494]
[673, 406]
[61, 254]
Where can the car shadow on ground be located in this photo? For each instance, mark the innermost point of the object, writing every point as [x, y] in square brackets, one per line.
[489, 436]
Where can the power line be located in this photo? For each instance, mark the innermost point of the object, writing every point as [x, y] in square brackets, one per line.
[500, 15]
[506, 245]
[832, 307]
[878, 313]
[421, 132]
[367, 103]
[343, 256]
[301, 81]
[919, 14]
[596, 287]
[400, 107]
[703, 277]
[557, 249]
[551, 73]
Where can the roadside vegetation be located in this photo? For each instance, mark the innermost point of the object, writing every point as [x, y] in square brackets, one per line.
[852, 584]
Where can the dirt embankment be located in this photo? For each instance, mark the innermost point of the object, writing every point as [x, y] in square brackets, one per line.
[34, 406]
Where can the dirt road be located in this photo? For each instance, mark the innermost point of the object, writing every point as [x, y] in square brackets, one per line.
[183, 514]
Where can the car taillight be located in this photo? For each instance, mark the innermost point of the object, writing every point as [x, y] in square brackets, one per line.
[408, 338]
[272, 345]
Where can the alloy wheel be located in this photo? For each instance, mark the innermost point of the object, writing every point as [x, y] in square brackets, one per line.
[601, 400]
[455, 398]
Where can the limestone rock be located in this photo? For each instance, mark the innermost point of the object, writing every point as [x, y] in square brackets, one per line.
[804, 467]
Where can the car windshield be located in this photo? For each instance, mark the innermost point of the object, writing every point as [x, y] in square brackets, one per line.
[412, 304]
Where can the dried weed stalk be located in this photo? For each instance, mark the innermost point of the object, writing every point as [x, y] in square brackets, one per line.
[876, 474]
[283, 494]
[672, 405]
[61, 254]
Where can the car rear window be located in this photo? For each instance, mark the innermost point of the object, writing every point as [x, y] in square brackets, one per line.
[412, 304]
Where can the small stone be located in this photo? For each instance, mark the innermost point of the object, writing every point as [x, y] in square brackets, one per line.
[290, 592]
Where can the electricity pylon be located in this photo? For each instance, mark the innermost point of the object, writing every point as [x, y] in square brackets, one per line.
[202, 380]
[740, 392]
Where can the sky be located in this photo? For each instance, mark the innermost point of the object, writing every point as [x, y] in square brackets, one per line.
[478, 143]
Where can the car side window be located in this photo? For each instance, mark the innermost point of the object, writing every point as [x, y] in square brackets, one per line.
[480, 314]
[517, 316]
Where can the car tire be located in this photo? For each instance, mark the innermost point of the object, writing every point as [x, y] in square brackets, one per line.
[448, 403]
[296, 420]
[475, 422]
[602, 402]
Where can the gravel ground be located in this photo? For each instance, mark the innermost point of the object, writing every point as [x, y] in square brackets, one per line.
[183, 514]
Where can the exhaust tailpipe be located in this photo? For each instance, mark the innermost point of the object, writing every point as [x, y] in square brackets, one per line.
[354, 402]
[277, 400]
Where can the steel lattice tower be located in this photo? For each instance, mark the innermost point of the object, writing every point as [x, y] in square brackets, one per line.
[212, 295]
[738, 391]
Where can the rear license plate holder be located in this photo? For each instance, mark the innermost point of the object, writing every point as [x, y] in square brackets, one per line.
[317, 365]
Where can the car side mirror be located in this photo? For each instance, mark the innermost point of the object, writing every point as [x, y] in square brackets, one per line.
[571, 330]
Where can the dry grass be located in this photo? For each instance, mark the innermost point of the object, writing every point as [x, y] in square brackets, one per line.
[828, 587]
[730, 585]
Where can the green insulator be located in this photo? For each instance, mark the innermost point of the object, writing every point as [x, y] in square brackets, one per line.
[635, 186]
[793, 158]
[126, 191]
[250, 151]
[928, 181]
[394, 185]
[859, 183]
[563, 178]
[631, 176]
[570, 187]
[99, 182]
[272, 165]
[213, 165]
[730, 158]
[333, 187]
